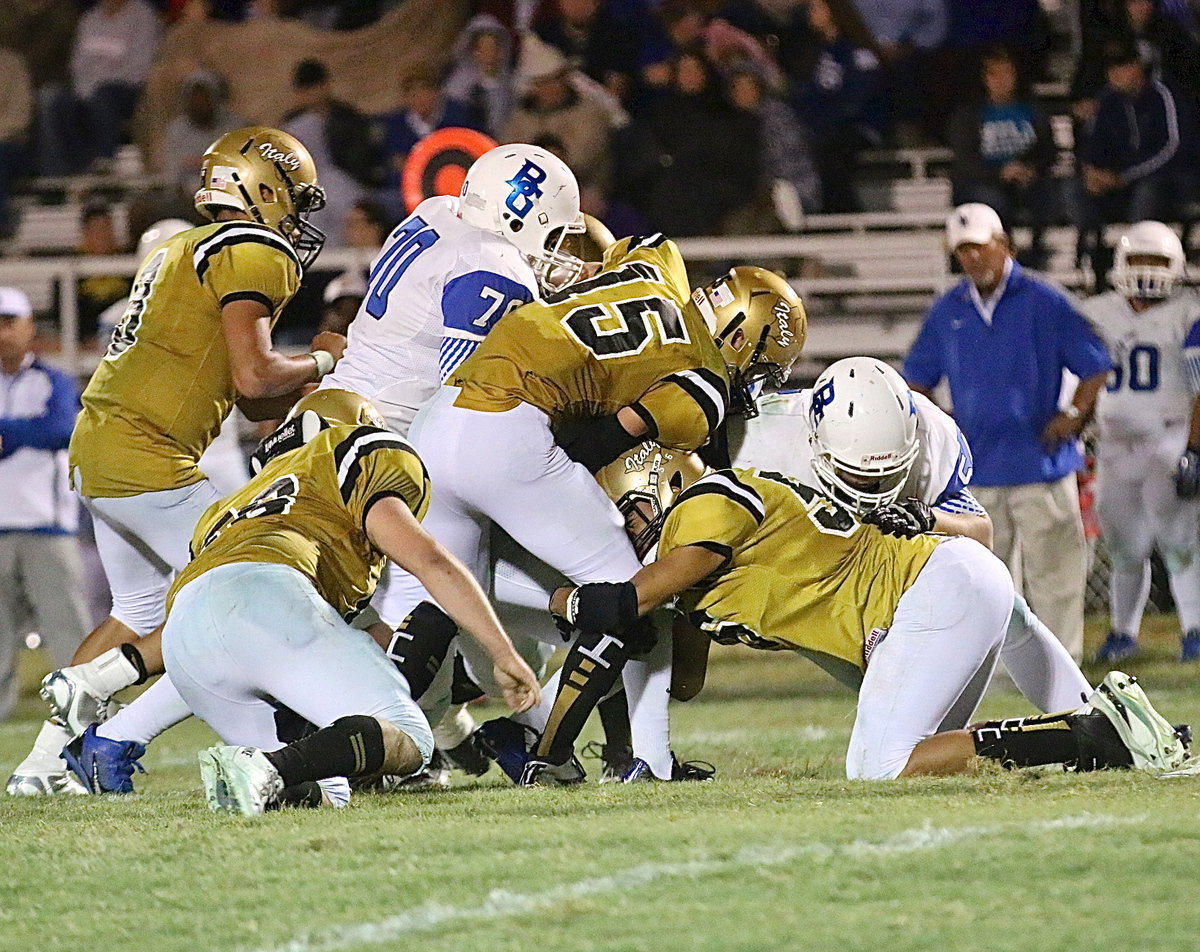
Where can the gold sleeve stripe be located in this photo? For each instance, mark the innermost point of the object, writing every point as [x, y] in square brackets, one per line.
[348, 456]
[238, 233]
[707, 389]
[724, 483]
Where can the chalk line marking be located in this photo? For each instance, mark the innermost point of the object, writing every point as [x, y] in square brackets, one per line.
[504, 904]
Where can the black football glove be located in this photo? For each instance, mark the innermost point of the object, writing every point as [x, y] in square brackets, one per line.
[906, 518]
[1187, 474]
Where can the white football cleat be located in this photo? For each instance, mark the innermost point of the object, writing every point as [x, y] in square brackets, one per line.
[75, 702]
[1153, 742]
[43, 772]
[44, 785]
[239, 780]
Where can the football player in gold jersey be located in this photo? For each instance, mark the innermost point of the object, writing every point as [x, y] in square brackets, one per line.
[915, 624]
[261, 611]
[562, 386]
[195, 339]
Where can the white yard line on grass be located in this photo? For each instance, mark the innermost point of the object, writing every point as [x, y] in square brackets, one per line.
[503, 904]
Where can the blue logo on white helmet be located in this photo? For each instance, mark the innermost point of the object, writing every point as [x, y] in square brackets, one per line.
[526, 186]
[820, 400]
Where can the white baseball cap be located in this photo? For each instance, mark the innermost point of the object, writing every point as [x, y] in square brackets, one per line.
[973, 223]
[14, 303]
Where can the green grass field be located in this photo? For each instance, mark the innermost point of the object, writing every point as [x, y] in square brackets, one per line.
[778, 853]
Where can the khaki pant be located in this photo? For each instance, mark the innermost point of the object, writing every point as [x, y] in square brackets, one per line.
[1038, 532]
[41, 586]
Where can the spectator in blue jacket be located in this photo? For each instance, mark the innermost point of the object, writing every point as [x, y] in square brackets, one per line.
[1002, 339]
[1137, 158]
[40, 574]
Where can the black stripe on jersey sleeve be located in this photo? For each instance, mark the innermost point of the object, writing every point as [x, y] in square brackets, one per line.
[647, 241]
[240, 233]
[249, 296]
[707, 390]
[725, 483]
[365, 440]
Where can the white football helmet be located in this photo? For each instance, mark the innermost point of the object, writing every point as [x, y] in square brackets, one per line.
[528, 196]
[159, 232]
[863, 432]
[1148, 281]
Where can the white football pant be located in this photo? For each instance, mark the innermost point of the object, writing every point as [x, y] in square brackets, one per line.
[1138, 510]
[506, 468]
[244, 633]
[931, 669]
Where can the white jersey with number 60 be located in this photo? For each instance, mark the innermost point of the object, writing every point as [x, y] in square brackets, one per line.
[435, 290]
[1150, 386]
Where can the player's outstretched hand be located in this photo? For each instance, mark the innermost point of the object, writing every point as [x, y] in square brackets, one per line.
[518, 682]
[329, 341]
[1187, 474]
[906, 518]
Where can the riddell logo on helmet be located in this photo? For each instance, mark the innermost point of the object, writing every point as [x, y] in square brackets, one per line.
[879, 458]
[289, 160]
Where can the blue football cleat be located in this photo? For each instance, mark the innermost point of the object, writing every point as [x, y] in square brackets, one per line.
[508, 743]
[1117, 647]
[1190, 647]
[690, 770]
[104, 765]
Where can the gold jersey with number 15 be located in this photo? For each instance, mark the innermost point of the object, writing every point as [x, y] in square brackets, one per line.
[165, 384]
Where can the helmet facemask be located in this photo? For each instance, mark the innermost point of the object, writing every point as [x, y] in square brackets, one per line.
[556, 267]
[862, 488]
[643, 484]
[306, 238]
[1149, 262]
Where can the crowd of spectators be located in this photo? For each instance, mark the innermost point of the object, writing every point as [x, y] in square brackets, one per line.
[762, 108]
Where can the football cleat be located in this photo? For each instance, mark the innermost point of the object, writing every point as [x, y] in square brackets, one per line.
[44, 784]
[104, 765]
[74, 702]
[42, 772]
[540, 773]
[1153, 743]
[1117, 647]
[508, 743]
[1190, 646]
[616, 760]
[433, 776]
[239, 780]
[469, 757]
[698, 770]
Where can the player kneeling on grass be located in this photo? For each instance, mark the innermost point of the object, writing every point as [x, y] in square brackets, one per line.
[255, 623]
[916, 625]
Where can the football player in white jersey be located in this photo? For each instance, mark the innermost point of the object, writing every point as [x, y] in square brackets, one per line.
[453, 268]
[1148, 434]
[862, 436]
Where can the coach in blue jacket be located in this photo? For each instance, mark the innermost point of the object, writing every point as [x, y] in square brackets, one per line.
[1001, 338]
[40, 575]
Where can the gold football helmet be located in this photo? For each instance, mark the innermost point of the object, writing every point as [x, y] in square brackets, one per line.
[310, 415]
[339, 408]
[644, 483]
[592, 242]
[270, 176]
[759, 323]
